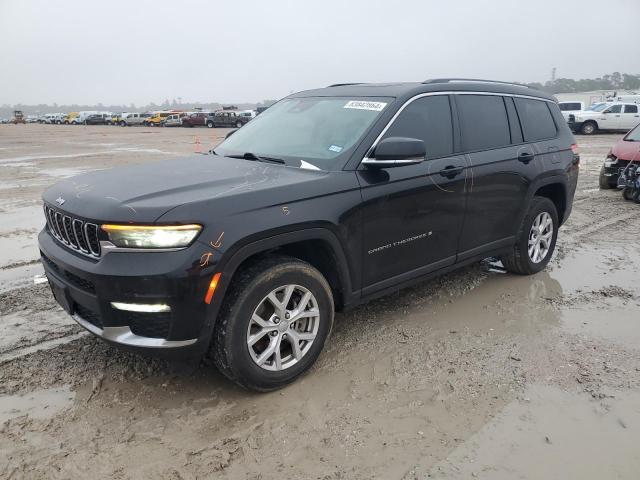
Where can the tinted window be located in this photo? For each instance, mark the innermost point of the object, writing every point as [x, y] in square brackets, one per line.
[614, 109]
[536, 120]
[428, 119]
[630, 109]
[483, 122]
[569, 106]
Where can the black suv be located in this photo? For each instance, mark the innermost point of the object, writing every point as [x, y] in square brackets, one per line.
[329, 198]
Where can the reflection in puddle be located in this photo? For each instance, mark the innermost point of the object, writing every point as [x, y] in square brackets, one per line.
[550, 433]
[37, 404]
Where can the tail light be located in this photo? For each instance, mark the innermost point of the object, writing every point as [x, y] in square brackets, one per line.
[575, 149]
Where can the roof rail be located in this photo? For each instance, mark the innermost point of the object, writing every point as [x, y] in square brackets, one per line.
[344, 84]
[479, 80]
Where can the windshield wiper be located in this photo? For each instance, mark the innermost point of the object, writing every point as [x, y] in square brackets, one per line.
[253, 156]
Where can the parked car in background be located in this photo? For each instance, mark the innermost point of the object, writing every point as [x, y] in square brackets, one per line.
[615, 116]
[569, 107]
[70, 118]
[174, 120]
[626, 150]
[156, 119]
[133, 118]
[96, 119]
[229, 119]
[198, 119]
[250, 114]
[113, 119]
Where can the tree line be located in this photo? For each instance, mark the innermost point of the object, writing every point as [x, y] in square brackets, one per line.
[614, 81]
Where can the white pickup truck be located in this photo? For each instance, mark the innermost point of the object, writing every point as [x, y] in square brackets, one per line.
[615, 116]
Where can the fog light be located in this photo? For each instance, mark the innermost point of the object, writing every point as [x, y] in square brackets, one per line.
[141, 307]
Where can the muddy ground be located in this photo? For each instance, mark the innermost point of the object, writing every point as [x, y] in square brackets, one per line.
[478, 374]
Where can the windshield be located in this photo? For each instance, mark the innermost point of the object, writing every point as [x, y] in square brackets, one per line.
[633, 135]
[315, 130]
[598, 107]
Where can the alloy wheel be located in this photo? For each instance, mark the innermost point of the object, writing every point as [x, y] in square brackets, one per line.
[283, 327]
[540, 237]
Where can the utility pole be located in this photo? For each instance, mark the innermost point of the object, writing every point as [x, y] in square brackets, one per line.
[553, 74]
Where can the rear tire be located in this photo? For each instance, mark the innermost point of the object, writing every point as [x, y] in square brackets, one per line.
[248, 298]
[209, 124]
[238, 124]
[589, 128]
[522, 260]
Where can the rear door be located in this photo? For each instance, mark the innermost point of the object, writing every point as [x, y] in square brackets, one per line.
[502, 168]
[412, 215]
[630, 117]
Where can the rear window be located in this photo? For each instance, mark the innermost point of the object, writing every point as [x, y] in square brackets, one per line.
[536, 120]
[483, 122]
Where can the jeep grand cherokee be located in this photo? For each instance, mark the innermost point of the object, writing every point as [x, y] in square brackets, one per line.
[327, 199]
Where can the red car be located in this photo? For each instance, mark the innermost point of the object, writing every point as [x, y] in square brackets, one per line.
[625, 150]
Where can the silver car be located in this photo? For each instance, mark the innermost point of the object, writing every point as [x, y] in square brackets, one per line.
[174, 120]
[133, 118]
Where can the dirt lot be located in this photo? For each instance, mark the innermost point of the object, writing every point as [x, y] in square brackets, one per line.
[478, 374]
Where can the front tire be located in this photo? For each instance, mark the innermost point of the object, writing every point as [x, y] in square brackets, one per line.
[627, 193]
[209, 124]
[589, 128]
[273, 323]
[536, 239]
[604, 181]
[238, 124]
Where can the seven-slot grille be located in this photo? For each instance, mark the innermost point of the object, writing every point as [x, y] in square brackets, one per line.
[72, 232]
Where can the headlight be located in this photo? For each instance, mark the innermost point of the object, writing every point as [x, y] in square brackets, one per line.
[152, 236]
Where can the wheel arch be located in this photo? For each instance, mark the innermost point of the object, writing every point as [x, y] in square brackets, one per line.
[316, 246]
[555, 189]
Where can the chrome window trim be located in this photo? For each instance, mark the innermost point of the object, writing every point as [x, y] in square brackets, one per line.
[432, 94]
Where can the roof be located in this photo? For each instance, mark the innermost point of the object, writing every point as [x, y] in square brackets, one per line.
[410, 89]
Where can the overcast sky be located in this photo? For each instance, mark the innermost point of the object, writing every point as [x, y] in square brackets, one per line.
[138, 51]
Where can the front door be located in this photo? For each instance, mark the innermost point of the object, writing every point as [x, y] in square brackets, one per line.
[610, 118]
[412, 215]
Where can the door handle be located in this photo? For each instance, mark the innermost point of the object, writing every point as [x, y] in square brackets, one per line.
[451, 171]
[525, 157]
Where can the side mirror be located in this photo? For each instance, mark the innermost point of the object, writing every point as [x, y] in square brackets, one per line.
[397, 152]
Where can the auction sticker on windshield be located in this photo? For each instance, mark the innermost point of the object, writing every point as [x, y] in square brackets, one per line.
[363, 105]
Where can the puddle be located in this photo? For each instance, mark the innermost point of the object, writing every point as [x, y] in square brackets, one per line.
[552, 434]
[67, 172]
[595, 267]
[20, 276]
[39, 404]
[29, 158]
[144, 150]
[615, 322]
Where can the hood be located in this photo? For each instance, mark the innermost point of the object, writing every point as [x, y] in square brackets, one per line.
[626, 150]
[143, 193]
